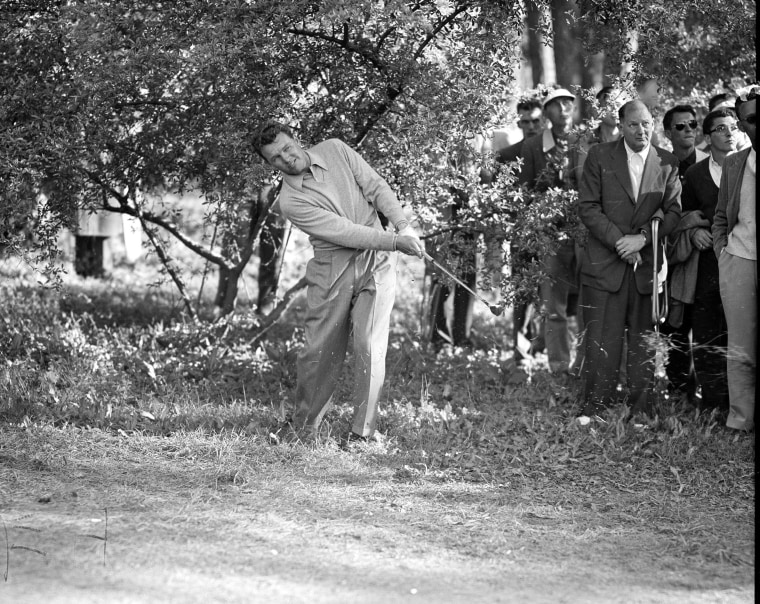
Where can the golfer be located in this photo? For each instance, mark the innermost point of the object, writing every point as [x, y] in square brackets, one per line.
[333, 195]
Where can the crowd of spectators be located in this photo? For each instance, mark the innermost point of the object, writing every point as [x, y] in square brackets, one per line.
[668, 199]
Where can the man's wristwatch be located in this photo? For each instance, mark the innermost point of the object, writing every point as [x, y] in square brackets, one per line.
[401, 225]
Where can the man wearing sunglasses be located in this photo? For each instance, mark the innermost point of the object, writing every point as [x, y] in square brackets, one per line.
[734, 234]
[694, 282]
[680, 126]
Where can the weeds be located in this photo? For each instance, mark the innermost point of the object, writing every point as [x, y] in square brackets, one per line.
[449, 418]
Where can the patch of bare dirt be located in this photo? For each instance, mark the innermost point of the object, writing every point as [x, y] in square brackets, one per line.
[91, 517]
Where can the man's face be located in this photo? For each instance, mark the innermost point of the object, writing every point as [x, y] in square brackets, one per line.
[649, 93]
[637, 127]
[530, 121]
[608, 109]
[560, 113]
[683, 130]
[747, 117]
[723, 135]
[286, 155]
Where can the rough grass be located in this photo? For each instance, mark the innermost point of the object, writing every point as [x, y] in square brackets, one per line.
[479, 463]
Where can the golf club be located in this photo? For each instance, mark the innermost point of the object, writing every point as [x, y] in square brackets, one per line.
[495, 310]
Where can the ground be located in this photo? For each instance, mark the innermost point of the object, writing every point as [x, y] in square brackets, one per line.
[92, 516]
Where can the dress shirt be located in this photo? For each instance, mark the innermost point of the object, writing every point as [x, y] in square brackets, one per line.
[715, 170]
[636, 162]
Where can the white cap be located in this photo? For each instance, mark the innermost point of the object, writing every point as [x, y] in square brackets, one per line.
[557, 93]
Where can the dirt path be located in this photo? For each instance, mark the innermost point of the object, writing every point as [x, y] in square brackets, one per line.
[198, 518]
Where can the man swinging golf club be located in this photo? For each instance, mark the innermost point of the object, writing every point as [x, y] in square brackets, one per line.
[332, 194]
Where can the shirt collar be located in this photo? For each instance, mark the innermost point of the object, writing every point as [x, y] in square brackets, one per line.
[315, 167]
[643, 153]
[752, 159]
[547, 140]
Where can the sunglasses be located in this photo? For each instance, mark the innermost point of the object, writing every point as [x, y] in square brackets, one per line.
[723, 129]
[691, 124]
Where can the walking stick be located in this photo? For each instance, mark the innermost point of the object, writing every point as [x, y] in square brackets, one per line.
[659, 310]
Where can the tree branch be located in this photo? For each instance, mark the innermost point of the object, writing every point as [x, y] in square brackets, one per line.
[437, 29]
[343, 43]
[125, 208]
[269, 320]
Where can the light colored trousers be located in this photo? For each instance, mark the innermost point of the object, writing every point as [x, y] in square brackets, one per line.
[347, 290]
[738, 291]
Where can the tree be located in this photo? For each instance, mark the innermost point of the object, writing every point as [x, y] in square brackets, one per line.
[134, 102]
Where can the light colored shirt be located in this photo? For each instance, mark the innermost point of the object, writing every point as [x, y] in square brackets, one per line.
[336, 201]
[547, 140]
[715, 170]
[636, 162]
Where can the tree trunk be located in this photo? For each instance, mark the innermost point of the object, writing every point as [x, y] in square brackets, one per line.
[227, 289]
[535, 44]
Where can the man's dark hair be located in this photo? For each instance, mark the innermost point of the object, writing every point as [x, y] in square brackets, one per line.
[710, 118]
[604, 91]
[528, 104]
[717, 99]
[667, 119]
[266, 134]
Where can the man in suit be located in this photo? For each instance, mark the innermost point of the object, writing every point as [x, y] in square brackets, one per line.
[734, 233]
[548, 161]
[625, 184]
[704, 315]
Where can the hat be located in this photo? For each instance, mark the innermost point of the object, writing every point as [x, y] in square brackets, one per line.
[557, 93]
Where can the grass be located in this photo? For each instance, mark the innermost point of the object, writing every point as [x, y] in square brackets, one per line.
[477, 464]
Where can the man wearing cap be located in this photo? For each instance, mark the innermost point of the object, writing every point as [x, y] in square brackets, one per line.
[625, 185]
[333, 195]
[549, 161]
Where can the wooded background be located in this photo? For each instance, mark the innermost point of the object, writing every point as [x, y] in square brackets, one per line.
[108, 106]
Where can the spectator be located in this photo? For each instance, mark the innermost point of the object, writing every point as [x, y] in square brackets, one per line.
[734, 234]
[334, 196]
[450, 310]
[530, 120]
[695, 286]
[625, 185]
[680, 126]
[527, 336]
[608, 130]
[549, 162]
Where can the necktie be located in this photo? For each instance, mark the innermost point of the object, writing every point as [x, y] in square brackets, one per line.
[637, 168]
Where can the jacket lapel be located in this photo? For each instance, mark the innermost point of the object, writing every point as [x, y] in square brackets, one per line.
[736, 174]
[620, 169]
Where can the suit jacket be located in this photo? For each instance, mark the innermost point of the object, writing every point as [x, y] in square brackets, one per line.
[609, 211]
[700, 193]
[729, 198]
[533, 172]
[510, 153]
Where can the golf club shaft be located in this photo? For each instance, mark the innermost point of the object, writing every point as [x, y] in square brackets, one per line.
[456, 280]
